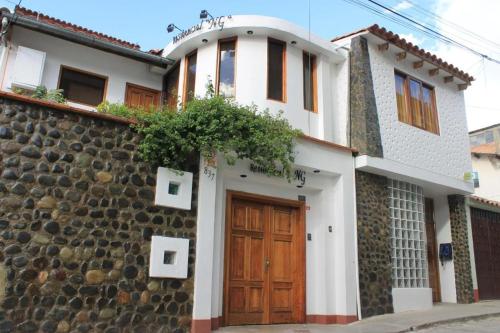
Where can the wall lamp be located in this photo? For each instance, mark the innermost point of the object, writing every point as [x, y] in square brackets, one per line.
[204, 14]
[171, 28]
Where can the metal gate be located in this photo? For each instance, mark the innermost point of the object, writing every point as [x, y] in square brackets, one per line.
[486, 236]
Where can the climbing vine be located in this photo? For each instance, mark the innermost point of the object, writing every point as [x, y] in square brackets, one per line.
[213, 124]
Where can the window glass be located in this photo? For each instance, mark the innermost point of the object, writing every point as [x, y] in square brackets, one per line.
[190, 77]
[171, 87]
[309, 68]
[227, 56]
[403, 113]
[415, 104]
[80, 87]
[275, 70]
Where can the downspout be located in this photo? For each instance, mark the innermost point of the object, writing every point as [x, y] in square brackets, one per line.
[83, 39]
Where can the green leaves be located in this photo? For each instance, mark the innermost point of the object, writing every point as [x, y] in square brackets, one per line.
[214, 124]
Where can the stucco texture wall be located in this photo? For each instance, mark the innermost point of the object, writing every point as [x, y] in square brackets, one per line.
[450, 155]
[76, 218]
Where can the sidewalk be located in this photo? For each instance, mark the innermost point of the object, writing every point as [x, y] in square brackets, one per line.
[392, 323]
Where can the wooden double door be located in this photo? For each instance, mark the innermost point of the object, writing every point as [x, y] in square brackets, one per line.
[486, 239]
[264, 261]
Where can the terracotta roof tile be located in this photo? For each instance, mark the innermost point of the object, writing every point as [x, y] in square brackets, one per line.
[487, 149]
[393, 38]
[25, 12]
[485, 201]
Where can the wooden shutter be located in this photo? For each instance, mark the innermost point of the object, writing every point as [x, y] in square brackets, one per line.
[141, 97]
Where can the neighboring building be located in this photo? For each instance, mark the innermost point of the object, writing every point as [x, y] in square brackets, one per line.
[91, 67]
[485, 149]
[378, 177]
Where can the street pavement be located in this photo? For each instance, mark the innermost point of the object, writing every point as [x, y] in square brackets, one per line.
[489, 325]
[439, 316]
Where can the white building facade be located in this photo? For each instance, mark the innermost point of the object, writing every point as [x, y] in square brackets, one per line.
[353, 234]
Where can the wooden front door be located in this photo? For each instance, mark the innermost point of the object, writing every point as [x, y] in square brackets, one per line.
[486, 239]
[265, 261]
[432, 252]
[141, 97]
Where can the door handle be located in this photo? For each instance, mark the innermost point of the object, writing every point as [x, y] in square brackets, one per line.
[267, 263]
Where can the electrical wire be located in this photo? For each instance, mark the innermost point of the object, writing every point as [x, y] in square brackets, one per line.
[414, 24]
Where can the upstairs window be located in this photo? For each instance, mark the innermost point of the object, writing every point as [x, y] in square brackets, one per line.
[190, 76]
[226, 68]
[310, 84]
[171, 87]
[82, 87]
[416, 103]
[276, 69]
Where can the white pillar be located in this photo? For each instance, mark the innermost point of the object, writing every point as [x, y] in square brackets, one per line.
[205, 228]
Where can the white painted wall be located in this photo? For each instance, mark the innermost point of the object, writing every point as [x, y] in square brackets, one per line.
[331, 286]
[408, 299]
[447, 154]
[443, 235]
[329, 123]
[119, 70]
[488, 168]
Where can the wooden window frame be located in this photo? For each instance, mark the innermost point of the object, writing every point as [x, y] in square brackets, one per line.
[164, 94]
[186, 65]
[217, 80]
[104, 77]
[406, 87]
[314, 83]
[283, 80]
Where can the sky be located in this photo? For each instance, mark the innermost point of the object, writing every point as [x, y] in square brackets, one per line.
[144, 22]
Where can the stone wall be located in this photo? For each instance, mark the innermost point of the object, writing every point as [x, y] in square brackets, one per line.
[461, 257]
[76, 218]
[364, 128]
[374, 247]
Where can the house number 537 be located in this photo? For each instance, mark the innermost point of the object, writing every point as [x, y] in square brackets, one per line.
[209, 173]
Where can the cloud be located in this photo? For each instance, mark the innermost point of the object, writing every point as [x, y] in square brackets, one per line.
[479, 17]
[403, 5]
[412, 39]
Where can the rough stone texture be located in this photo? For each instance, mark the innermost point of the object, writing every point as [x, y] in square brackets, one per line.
[364, 129]
[76, 217]
[374, 246]
[461, 258]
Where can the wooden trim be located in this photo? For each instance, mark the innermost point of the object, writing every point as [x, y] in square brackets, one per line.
[301, 206]
[329, 144]
[433, 72]
[185, 70]
[418, 64]
[400, 56]
[66, 108]
[448, 79]
[383, 47]
[331, 319]
[164, 94]
[217, 65]
[284, 71]
[104, 77]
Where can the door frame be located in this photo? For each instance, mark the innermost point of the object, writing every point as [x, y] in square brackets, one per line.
[435, 245]
[301, 206]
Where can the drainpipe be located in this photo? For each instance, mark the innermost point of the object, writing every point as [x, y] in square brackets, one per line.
[83, 39]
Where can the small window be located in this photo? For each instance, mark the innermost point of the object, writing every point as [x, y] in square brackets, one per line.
[309, 71]
[190, 76]
[416, 103]
[475, 179]
[276, 69]
[226, 65]
[489, 137]
[171, 87]
[82, 87]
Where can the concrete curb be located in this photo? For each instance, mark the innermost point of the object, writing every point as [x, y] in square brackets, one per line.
[449, 321]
